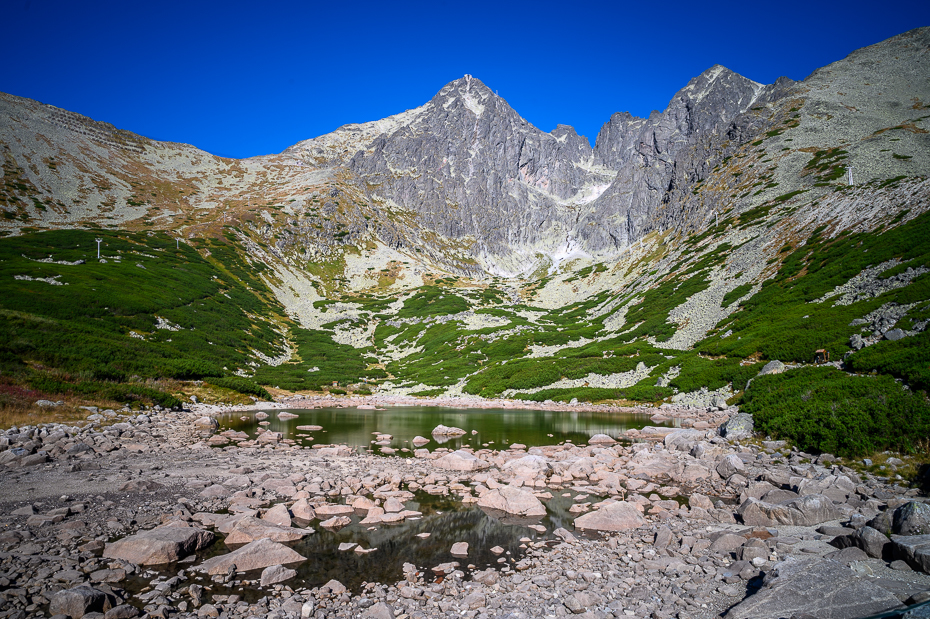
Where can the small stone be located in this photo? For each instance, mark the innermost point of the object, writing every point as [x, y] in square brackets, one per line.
[275, 574]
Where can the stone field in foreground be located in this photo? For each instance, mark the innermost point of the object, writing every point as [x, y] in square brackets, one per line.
[104, 520]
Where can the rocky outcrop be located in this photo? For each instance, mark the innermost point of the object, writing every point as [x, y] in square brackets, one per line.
[804, 511]
[814, 587]
[165, 544]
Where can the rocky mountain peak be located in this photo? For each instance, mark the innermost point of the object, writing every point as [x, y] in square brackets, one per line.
[712, 99]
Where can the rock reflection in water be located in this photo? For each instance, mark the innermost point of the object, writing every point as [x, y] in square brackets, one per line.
[446, 520]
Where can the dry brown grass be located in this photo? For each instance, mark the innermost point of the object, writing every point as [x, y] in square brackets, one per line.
[206, 393]
[18, 406]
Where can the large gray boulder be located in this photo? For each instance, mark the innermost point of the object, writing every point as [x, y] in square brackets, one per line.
[683, 440]
[164, 544]
[912, 518]
[79, 601]
[730, 465]
[737, 427]
[772, 367]
[442, 430]
[817, 587]
[874, 543]
[275, 574]
[514, 501]
[914, 549]
[805, 511]
[618, 516]
[255, 556]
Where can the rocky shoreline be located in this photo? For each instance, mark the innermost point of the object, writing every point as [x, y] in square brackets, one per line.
[108, 518]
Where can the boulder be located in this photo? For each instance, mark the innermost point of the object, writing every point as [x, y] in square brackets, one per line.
[326, 510]
[815, 587]
[601, 439]
[278, 515]
[164, 544]
[392, 505]
[207, 422]
[737, 427]
[303, 511]
[419, 441]
[912, 518]
[442, 430]
[804, 511]
[683, 440]
[617, 516]
[123, 611]
[528, 466]
[275, 574]
[883, 522]
[460, 460]
[772, 367]
[336, 522]
[875, 544]
[460, 549]
[730, 465]
[381, 610]
[914, 549]
[895, 334]
[250, 529]
[215, 491]
[254, 556]
[872, 542]
[727, 543]
[79, 601]
[513, 500]
[699, 500]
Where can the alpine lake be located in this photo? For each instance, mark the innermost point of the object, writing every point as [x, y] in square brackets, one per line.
[446, 519]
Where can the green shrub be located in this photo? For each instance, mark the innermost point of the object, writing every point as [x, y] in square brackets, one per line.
[826, 410]
[907, 358]
[635, 393]
[737, 293]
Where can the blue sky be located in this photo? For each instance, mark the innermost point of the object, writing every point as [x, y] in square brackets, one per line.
[241, 79]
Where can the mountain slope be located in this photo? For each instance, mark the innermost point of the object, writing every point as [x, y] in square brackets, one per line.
[456, 249]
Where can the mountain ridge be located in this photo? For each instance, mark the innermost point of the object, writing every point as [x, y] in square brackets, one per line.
[455, 248]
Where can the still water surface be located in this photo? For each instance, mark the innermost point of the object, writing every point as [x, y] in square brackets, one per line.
[446, 519]
[493, 428]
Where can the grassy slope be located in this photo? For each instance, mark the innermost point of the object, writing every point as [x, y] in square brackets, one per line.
[97, 334]
[76, 338]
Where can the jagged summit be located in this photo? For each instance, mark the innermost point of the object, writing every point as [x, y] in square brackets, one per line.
[465, 170]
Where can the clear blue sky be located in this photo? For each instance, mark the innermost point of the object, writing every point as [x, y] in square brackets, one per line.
[241, 79]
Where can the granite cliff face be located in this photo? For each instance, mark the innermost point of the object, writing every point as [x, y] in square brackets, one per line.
[471, 169]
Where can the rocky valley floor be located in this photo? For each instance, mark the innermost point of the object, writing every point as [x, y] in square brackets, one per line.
[130, 515]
